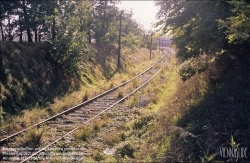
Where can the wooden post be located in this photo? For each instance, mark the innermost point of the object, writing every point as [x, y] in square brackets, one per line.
[162, 45]
[119, 44]
[151, 46]
[159, 44]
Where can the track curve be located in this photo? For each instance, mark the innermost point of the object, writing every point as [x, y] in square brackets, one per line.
[65, 123]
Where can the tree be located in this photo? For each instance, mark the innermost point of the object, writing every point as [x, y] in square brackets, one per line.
[238, 25]
[8, 13]
[26, 19]
[195, 27]
[195, 30]
[69, 45]
[105, 12]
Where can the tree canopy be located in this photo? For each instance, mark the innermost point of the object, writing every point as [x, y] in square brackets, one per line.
[204, 28]
[68, 25]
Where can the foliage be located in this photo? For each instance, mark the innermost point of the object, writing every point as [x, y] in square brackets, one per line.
[200, 117]
[120, 93]
[131, 41]
[206, 28]
[126, 150]
[98, 157]
[193, 66]
[26, 15]
[1, 116]
[143, 121]
[84, 133]
[191, 22]
[238, 25]
[34, 136]
[69, 47]
[68, 26]
[105, 14]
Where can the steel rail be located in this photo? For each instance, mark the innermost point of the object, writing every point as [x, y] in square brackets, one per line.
[125, 97]
[2, 141]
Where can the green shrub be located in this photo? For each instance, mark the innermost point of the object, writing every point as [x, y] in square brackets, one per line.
[98, 157]
[123, 137]
[34, 136]
[120, 94]
[143, 121]
[126, 150]
[83, 133]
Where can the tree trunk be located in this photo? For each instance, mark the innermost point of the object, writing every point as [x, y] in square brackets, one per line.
[21, 31]
[29, 35]
[89, 36]
[151, 47]
[119, 43]
[105, 14]
[35, 34]
[2, 31]
[26, 22]
[53, 30]
[39, 37]
[21, 37]
[9, 35]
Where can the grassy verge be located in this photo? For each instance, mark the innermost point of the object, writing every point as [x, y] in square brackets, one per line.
[95, 77]
[126, 127]
[199, 117]
[187, 121]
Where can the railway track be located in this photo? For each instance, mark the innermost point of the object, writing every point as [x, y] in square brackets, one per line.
[65, 123]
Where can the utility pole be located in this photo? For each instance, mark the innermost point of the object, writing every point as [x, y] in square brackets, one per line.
[119, 44]
[151, 45]
[159, 44]
[164, 43]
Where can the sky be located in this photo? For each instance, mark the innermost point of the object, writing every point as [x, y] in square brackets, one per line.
[144, 12]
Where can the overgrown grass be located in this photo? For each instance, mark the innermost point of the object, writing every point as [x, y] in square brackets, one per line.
[120, 93]
[112, 139]
[84, 133]
[32, 138]
[126, 150]
[89, 82]
[133, 101]
[198, 117]
[28, 76]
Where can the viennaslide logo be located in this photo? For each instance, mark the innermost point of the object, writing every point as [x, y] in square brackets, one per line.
[233, 152]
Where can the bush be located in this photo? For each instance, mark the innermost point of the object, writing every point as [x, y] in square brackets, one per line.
[86, 97]
[123, 137]
[143, 121]
[98, 157]
[120, 94]
[33, 137]
[83, 133]
[126, 150]
[1, 116]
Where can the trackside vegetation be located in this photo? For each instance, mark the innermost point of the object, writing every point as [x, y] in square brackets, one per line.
[196, 107]
[48, 45]
[201, 103]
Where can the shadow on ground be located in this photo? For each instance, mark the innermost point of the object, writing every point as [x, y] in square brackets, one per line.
[219, 120]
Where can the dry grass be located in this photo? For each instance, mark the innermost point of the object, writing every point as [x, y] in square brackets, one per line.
[34, 137]
[105, 119]
[132, 101]
[111, 138]
[31, 138]
[97, 124]
[85, 97]
[197, 117]
[83, 133]
[120, 93]
[92, 84]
